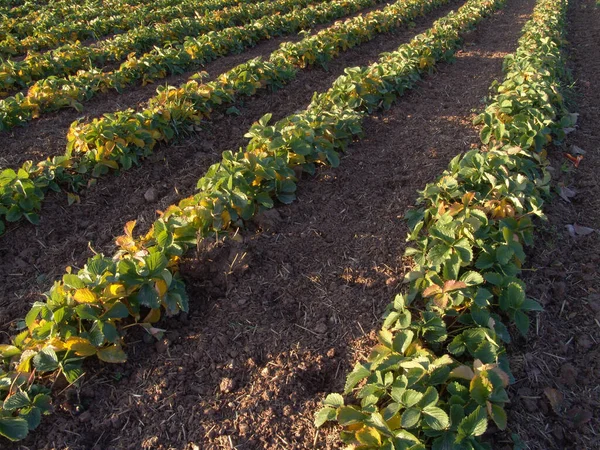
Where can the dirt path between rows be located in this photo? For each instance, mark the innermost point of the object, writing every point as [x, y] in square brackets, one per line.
[555, 403]
[278, 320]
[32, 257]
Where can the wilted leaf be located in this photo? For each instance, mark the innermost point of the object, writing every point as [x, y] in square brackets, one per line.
[81, 346]
[112, 354]
[464, 372]
[582, 231]
[578, 230]
[369, 436]
[453, 285]
[566, 193]
[555, 397]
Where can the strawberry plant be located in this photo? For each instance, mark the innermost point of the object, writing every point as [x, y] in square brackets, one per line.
[121, 139]
[81, 314]
[468, 234]
[53, 93]
[66, 23]
[70, 58]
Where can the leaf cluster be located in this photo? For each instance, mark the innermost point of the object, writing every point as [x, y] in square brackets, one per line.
[468, 236]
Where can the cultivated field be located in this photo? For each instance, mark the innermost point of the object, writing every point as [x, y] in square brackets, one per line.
[294, 224]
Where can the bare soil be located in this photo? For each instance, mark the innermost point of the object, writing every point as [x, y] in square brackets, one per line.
[555, 402]
[277, 321]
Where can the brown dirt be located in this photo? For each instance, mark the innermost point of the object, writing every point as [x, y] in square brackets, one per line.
[278, 320]
[555, 403]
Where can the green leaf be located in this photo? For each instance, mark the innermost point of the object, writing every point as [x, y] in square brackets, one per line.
[512, 296]
[438, 254]
[359, 373]
[472, 278]
[8, 351]
[436, 418]
[324, 415]
[430, 397]
[33, 416]
[13, 428]
[480, 389]
[493, 278]
[43, 402]
[482, 297]
[402, 340]
[147, 296]
[486, 352]
[46, 360]
[109, 331]
[155, 263]
[474, 424]
[522, 322]
[410, 417]
[411, 397]
[444, 442]
[531, 305]
[347, 415]
[18, 400]
[117, 311]
[503, 254]
[334, 400]
[499, 416]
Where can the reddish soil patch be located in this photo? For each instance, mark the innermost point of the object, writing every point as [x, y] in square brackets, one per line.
[555, 403]
[277, 320]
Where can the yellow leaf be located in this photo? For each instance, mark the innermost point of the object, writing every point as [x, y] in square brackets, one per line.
[153, 316]
[138, 142]
[129, 226]
[369, 436]
[81, 346]
[161, 287]
[115, 290]
[112, 354]
[109, 163]
[226, 218]
[84, 295]
[25, 361]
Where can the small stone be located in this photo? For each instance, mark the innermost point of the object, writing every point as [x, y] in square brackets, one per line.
[85, 417]
[559, 289]
[568, 374]
[584, 342]
[321, 328]
[151, 195]
[162, 345]
[226, 385]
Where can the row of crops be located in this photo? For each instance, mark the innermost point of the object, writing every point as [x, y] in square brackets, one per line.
[440, 371]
